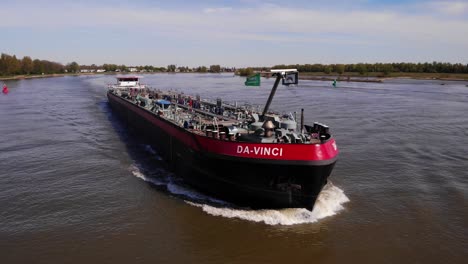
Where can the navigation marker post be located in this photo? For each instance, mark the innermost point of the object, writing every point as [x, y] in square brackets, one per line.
[253, 80]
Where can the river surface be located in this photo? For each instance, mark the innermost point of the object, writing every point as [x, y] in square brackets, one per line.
[76, 186]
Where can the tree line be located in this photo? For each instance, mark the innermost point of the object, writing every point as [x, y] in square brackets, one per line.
[202, 69]
[10, 65]
[385, 68]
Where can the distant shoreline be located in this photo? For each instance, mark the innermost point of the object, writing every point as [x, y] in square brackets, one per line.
[377, 77]
[340, 79]
[346, 77]
[37, 76]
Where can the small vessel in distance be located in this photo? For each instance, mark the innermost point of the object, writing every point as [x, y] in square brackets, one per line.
[260, 160]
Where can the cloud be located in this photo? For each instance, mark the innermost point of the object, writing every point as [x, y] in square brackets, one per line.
[265, 28]
[450, 7]
[211, 10]
[249, 23]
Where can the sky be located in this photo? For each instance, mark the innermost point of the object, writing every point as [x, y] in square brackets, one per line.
[235, 33]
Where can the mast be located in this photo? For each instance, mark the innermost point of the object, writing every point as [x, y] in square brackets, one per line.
[280, 75]
[272, 94]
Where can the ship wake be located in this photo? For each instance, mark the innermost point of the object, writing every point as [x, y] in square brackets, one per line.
[330, 202]
[168, 182]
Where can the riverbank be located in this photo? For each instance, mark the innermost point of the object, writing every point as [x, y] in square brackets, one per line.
[318, 76]
[376, 77]
[35, 76]
[339, 78]
[379, 76]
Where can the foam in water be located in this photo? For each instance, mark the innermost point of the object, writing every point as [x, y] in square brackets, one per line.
[175, 188]
[137, 173]
[329, 202]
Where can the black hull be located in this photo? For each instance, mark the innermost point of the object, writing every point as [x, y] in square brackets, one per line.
[257, 184]
[260, 185]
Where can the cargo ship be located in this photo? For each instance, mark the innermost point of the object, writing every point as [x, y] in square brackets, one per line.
[232, 152]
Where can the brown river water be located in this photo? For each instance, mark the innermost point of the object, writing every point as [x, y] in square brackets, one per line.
[76, 186]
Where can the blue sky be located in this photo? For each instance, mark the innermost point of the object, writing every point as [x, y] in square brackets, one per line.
[235, 32]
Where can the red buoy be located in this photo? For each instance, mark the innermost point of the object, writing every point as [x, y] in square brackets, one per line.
[5, 89]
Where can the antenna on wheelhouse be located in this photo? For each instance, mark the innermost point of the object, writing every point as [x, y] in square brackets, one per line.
[289, 76]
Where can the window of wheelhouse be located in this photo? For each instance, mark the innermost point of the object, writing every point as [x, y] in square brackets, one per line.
[128, 79]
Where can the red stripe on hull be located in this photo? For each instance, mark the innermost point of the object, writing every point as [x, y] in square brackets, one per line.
[264, 151]
[270, 151]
